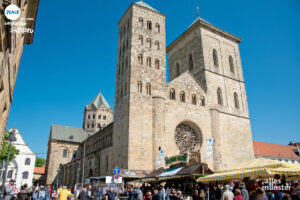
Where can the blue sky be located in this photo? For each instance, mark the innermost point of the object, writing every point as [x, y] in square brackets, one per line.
[74, 52]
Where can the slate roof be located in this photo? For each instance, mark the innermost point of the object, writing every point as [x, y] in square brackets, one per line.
[143, 4]
[67, 133]
[274, 150]
[98, 101]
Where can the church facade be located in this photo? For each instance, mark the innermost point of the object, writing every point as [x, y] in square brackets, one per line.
[204, 101]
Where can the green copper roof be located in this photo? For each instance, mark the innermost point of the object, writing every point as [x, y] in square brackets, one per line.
[99, 101]
[143, 4]
[67, 133]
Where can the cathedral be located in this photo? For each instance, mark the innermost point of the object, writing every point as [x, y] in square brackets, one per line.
[201, 112]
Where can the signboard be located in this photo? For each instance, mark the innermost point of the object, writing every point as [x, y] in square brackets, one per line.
[116, 171]
[160, 157]
[108, 179]
[209, 147]
[177, 158]
[117, 179]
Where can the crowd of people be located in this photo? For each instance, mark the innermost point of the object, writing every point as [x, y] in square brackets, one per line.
[166, 191]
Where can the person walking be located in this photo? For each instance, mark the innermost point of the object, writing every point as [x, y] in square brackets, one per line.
[9, 190]
[148, 195]
[244, 192]
[64, 194]
[297, 190]
[47, 192]
[111, 194]
[99, 193]
[35, 193]
[238, 195]
[195, 195]
[140, 194]
[227, 194]
[83, 195]
[42, 193]
[131, 194]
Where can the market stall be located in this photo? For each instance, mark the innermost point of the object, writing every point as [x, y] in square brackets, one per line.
[255, 168]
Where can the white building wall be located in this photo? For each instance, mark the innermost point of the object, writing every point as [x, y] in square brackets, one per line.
[18, 165]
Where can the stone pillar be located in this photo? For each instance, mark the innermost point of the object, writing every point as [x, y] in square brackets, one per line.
[158, 127]
[217, 148]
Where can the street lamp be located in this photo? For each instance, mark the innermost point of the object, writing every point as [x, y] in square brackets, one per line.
[10, 138]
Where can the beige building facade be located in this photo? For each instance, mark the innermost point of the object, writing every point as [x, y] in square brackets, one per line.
[11, 49]
[204, 100]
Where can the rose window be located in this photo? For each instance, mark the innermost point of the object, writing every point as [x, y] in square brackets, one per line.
[186, 138]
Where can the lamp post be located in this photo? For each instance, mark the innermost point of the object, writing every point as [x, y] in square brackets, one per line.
[58, 170]
[10, 138]
[78, 171]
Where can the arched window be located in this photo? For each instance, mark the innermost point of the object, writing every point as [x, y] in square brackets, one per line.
[25, 175]
[215, 57]
[194, 99]
[157, 27]
[149, 61]
[220, 98]
[140, 86]
[141, 21]
[74, 153]
[157, 44]
[202, 101]
[65, 152]
[149, 25]
[93, 116]
[236, 100]
[121, 93]
[177, 69]
[89, 117]
[106, 162]
[93, 125]
[149, 42]
[156, 64]
[191, 62]
[88, 125]
[148, 88]
[140, 58]
[231, 65]
[9, 174]
[27, 161]
[182, 96]
[141, 39]
[172, 93]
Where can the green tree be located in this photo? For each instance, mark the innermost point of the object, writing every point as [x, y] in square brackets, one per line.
[4, 150]
[40, 162]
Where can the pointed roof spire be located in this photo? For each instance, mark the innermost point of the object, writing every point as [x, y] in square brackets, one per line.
[99, 100]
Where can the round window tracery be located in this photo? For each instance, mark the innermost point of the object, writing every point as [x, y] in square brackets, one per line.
[186, 138]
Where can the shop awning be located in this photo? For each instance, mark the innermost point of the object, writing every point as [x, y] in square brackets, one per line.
[256, 168]
[170, 172]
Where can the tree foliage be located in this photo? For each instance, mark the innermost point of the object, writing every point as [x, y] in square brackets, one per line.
[40, 162]
[4, 150]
